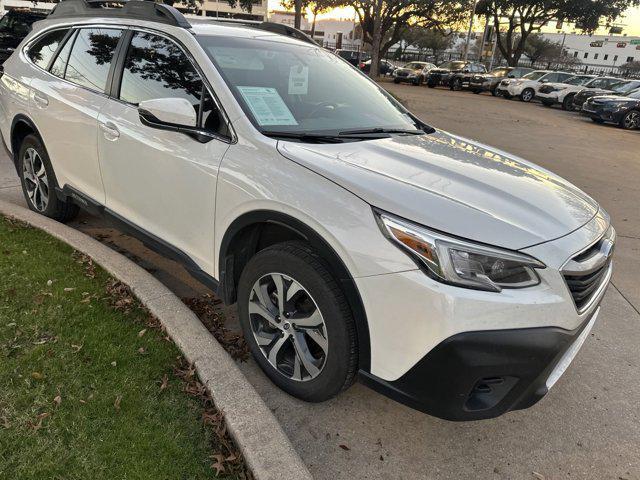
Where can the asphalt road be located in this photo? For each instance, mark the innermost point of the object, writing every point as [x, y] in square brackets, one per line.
[587, 427]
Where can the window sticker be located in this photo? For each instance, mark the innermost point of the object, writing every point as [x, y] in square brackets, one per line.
[267, 106]
[298, 80]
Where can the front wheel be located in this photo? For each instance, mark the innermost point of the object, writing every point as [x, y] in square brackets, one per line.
[396, 80]
[567, 103]
[631, 120]
[527, 95]
[39, 182]
[456, 85]
[297, 322]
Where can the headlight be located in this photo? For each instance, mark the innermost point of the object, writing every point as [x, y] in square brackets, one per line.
[616, 104]
[459, 262]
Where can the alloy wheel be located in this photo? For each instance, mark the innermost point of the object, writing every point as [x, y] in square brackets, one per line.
[35, 179]
[632, 120]
[527, 95]
[288, 327]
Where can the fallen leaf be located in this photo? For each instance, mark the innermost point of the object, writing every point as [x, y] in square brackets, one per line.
[37, 375]
[36, 426]
[344, 447]
[141, 351]
[49, 283]
[57, 400]
[142, 332]
[114, 363]
[165, 382]
[539, 476]
[116, 404]
[218, 465]
[69, 289]
[5, 422]
[76, 348]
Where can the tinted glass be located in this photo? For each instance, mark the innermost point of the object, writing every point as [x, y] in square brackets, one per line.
[44, 49]
[452, 65]
[156, 67]
[624, 87]
[578, 80]
[499, 72]
[91, 57]
[633, 94]
[291, 87]
[60, 62]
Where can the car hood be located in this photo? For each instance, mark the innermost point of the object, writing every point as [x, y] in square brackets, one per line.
[408, 70]
[453, 185]
[593, 92]
[612, 98]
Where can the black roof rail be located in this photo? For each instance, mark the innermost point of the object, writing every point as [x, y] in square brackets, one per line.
[267, 26]
[137, 9]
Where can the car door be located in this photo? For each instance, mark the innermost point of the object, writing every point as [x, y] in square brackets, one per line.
[67, 98]
[159, 181]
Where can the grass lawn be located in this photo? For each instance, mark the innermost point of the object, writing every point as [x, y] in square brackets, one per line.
[88, 386]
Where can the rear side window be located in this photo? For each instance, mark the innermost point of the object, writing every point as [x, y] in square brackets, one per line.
[60, 63]
[44, 49]
[91, 57]
[156, 67]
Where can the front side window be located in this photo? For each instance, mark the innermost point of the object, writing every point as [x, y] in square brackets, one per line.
[156, 67]
[578, 80]
[44, 49]
[291, 88]
[535, 75]
[91, 57]
[624, 87]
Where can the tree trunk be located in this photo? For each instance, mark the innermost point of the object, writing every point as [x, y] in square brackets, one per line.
[313, 25]
[376, 41]
[298, 14]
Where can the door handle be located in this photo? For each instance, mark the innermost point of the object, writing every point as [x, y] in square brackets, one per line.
[40, 99]
[109, 130]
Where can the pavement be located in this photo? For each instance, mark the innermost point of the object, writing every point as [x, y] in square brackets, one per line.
[587, 427]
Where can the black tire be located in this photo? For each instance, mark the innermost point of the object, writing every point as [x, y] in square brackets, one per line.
[456, 85]
[527, 95]
[395, 80]
[567, 103]
[431, 83]
[476, 91]
[597, 120]
[631, 120]
[55, 208]
[493, 92]
[301, 263]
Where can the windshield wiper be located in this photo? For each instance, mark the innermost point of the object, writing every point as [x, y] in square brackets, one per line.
[373, 131]
[304, 136]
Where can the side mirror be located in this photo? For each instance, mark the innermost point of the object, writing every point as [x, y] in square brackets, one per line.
[168, 111]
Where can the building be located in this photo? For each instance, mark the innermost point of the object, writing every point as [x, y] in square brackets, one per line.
[599, 50]
[222, 9]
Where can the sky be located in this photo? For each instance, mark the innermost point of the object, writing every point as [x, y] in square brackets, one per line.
[630, 21]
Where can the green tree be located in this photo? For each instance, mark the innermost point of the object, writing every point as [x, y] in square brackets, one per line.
[516, 20]
[383, 21]
[315, 6]
[632, 67]
[539, 49]
[433, 41]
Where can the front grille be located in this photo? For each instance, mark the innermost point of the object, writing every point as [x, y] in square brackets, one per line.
[582, 287]
[587, 272]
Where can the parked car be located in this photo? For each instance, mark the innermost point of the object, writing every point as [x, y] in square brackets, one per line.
[526, 87]
[356, 240]
[619, 88]
[412, 72]
[454, 75]
[354, 57]
[563, 93]
[14, 26]
[488, 82]
[623, 110]
[386, 67]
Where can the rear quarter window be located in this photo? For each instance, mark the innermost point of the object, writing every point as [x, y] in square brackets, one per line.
[43, 50]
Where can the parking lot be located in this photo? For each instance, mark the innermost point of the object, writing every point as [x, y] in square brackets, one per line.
[589, 424]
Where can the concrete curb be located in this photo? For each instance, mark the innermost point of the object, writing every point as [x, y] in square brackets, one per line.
[265, 447]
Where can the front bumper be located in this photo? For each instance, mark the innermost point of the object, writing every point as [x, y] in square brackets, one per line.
[604, 113]
[479, 375]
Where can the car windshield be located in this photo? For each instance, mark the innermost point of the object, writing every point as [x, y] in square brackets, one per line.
[633, 93]
[624, 87]
[499, 72]
[17, 24]
[302, 89]
[578, 80]
[413, 65]
[452, 65]
[535, 75]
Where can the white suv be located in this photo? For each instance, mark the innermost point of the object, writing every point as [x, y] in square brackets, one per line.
[356, 240]
[525, 88]
[563, 93]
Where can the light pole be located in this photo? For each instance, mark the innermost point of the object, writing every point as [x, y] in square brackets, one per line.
[473, 13]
